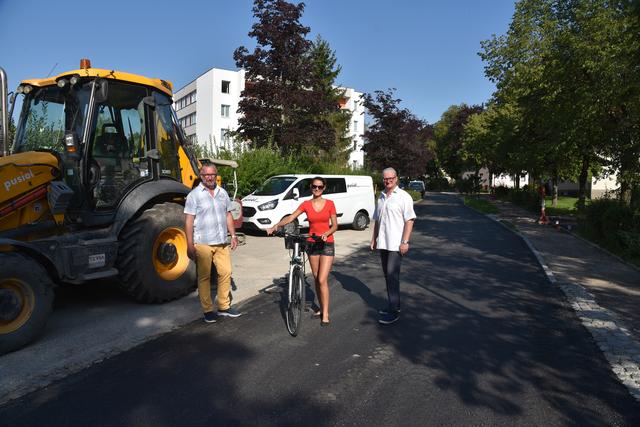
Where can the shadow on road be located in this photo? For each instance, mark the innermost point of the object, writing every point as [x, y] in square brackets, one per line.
[479, 314]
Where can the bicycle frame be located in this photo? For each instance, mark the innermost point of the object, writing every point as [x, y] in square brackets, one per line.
[298, 260]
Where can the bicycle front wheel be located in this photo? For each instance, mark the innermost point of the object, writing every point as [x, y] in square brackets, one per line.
[296, 302]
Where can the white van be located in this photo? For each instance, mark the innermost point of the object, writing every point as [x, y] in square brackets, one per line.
[280, 195]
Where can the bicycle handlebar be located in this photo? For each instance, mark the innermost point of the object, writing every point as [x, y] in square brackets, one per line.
[296, 236]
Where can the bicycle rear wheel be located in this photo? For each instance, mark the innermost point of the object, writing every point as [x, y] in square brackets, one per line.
[296, 302]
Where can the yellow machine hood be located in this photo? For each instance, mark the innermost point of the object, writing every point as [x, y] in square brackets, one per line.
[22, 172]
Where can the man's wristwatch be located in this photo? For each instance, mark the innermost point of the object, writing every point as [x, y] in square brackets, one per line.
[233, 236]
[404, 242]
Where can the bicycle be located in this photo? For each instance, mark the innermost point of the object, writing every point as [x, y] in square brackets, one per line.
[295, 293]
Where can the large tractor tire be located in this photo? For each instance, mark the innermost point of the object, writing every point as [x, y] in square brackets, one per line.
[152, 257]
[26, 300]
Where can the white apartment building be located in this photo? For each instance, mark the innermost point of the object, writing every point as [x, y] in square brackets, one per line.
[207, 108]
[353, 102]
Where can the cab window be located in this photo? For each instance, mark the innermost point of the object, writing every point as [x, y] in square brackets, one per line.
[118, 144]
[167, 141]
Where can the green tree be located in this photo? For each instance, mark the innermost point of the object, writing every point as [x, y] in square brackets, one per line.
[396, 138]
[280, 104]
[325, 72]
[568, 67]
[449, 138]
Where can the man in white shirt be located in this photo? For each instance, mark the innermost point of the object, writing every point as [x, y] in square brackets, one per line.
[207, 221]
[393, 222]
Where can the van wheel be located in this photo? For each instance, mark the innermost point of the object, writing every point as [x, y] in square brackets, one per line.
[360, 221]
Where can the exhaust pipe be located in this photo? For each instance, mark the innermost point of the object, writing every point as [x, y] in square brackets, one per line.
[4, 119]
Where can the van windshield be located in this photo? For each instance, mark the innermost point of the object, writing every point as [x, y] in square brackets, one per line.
[274, 185]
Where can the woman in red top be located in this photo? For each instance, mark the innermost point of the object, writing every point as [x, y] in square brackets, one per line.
[323, 222]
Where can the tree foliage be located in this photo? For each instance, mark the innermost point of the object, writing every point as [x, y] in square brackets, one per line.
[396, 138]
[325, 72]
[449, 136]
[569, 70]
[287, 101]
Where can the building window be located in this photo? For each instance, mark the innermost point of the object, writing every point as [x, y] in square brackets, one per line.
[188, 120]
[224, 136]
[355, 146]
[355, 105]
[226, 86]
[188, 99]
[224, 110]
[355, 126]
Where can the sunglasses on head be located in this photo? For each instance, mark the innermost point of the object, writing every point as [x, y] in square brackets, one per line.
[317, 187]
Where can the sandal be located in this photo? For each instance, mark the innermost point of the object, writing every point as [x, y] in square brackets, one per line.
[316, 313]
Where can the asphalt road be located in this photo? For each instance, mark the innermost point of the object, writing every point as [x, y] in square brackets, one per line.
[95, 321]
[483, 339]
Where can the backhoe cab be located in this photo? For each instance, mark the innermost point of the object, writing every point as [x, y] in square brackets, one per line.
[93, 188]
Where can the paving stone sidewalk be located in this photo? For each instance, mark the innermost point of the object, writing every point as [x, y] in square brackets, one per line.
[602, 289]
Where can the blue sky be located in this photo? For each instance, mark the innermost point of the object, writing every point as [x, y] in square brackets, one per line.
[425, 49]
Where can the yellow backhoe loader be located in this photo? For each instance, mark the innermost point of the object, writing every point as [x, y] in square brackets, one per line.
[92, 187]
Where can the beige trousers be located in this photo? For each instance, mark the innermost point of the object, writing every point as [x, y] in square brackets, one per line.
[220, 255]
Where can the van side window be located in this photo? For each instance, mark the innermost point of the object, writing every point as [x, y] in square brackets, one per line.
[336, 185]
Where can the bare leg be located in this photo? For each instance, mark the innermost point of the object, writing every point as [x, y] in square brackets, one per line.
[322, 285]
[314, 261]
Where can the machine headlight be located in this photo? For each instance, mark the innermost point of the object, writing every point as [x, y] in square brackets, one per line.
[269, 205]
[24, 89]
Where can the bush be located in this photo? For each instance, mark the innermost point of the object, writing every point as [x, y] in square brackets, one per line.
[501, 192]
[526, 198]
[255, 166]
[415, 195]
[614, 225]
[437, 184]
[469, 185]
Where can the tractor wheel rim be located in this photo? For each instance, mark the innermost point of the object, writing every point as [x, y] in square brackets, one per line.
[176, 267]
[25, 298]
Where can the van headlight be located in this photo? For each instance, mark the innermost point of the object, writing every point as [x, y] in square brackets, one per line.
[269, 205]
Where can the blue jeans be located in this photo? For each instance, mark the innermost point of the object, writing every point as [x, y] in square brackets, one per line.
[391, 261]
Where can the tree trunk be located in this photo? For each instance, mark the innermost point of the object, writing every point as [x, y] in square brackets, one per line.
[554, 190]
[582, 182]
[635, 195]
[629, 169]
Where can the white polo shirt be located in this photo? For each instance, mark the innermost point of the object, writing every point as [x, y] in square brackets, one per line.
[391, 214]
[210, 223]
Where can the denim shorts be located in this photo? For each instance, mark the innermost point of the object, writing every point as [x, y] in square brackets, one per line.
[321, 248]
